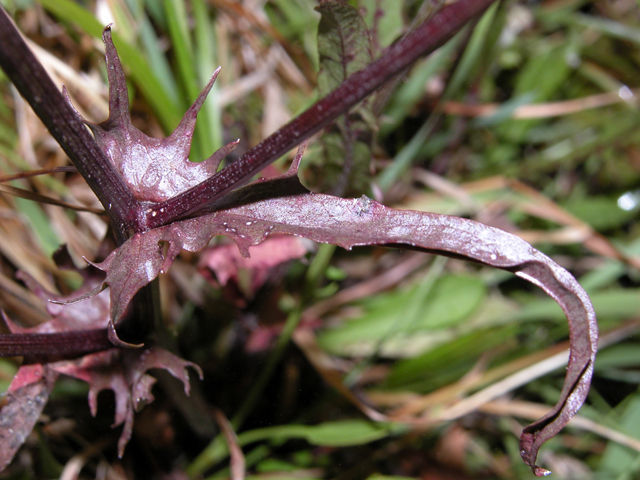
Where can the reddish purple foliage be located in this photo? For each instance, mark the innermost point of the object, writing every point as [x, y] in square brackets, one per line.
[362, 221]
[22, 408]
[157, 171]
[224, 265]
[121, 370]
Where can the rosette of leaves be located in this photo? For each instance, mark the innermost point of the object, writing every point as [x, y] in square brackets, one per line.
[162, 219]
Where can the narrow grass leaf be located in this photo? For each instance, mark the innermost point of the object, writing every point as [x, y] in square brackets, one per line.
[149, 85]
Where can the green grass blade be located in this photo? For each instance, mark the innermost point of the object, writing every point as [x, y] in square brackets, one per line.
[168, 113]
[157, 59]
[205, 54]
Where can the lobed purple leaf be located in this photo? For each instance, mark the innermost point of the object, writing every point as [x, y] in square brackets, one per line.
[250, 216]
[155, 169]
[123, 371]
[22, 406]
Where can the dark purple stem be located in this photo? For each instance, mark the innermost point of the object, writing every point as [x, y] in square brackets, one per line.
[35, 85]
[54, 346]
[57, 114]
[425, 39]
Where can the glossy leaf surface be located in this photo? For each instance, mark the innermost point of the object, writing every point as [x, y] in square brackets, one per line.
[362, 221]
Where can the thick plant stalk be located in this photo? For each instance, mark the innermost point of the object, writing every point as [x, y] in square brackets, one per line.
[55, 111]
[54, 346]
[122, 207]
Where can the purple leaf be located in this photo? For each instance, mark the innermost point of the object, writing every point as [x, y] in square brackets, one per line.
[76, 325]
[88, 312]
[118, 370]
[28, 394]
[154, 168]
[224, 264]
[362, 221]
[124, 371]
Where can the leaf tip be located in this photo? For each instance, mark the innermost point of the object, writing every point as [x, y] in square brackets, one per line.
[541, 472]
[107, 38]
[213, 162]
[187, 124]
[529, 446]
[118, 94]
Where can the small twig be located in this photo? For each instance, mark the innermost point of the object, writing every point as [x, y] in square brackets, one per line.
[33, 173]
[38, 197]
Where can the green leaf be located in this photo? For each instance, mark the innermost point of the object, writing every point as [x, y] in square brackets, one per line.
[411, 90]
[601, 212]
[153, 50]
[347, 432]
[377, 476]
[344, 47]
[475, 52]
[40, 224]
[543, 74]
[611, 303]
[618, 356]
[451, 300]
[541, 77]
[210, 133]
[342, 433]
[619, 460]
[449, 361]
[7, 371]
[178, 23]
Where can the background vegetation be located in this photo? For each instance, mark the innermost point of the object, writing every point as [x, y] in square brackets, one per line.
[528, 121]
